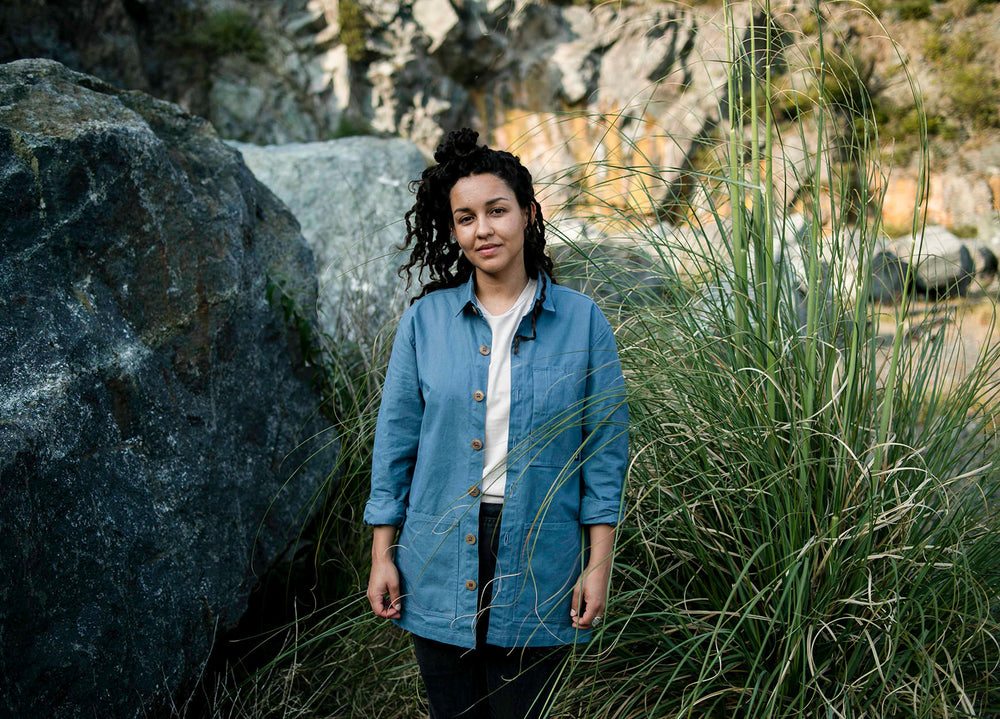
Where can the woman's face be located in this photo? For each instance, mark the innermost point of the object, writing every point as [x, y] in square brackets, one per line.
[489, 226]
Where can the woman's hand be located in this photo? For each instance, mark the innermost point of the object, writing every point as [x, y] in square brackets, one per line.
[383, 582]
[592, 589]
[590, 595]
[383, 590]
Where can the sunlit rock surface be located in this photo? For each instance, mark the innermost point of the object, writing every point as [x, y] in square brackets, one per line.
[350, 196]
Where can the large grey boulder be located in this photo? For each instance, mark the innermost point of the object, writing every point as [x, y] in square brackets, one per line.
[350, 196]
[944, 265]
[154, 409]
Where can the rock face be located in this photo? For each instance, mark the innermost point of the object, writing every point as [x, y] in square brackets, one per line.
[583, 95]
[589, 90]
[153, 405]
[608, 103]
[350, 196]
[233, 63]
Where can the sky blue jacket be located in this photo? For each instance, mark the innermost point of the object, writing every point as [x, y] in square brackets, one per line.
[568, 448]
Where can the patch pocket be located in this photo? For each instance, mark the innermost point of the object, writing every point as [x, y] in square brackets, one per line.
[427, 557]
[556, 431]
[553, 555]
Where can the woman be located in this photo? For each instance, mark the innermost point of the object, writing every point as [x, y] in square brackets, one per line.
[500, 446]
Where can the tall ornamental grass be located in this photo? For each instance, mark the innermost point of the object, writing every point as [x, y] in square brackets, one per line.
[809, 524]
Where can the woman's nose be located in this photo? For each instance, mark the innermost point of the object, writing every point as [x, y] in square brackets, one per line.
[484, 228]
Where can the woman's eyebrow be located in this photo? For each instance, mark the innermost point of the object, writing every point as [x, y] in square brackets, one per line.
[502, 198]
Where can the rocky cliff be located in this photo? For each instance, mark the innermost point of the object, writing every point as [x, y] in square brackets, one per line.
[155, 409]
[581, 91]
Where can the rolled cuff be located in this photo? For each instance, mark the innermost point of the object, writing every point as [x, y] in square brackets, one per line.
[384, 512]
[593, 511]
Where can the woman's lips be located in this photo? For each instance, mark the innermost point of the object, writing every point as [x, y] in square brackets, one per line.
[488, 250]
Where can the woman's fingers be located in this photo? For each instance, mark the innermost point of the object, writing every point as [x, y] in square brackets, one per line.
[574, 606]
[590, 592]
[591, 610]
[383, 591]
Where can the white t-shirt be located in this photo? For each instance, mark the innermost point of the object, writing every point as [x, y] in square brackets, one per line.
[498, 392]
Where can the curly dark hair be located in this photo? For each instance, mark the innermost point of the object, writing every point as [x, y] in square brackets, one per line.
[429, 221]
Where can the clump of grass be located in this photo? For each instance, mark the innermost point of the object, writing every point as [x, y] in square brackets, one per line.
[903, 9]
[912, 9]
[810, 525]
[970, 88]
[974, 92]
[348, 126]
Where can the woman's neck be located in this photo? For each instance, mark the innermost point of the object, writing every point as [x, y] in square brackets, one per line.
[498, 295]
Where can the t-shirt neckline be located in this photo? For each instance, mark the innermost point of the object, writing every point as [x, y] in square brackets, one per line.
[527, 293]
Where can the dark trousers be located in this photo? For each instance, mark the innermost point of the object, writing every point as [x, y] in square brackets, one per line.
[487, 682]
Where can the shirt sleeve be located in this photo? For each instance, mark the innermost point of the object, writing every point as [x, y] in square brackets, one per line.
[605, 430]
[397, 432]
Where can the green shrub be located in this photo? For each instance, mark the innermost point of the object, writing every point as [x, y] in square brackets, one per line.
[964, 48]
[948, 50]
[353, 29]
[904, 126]
[936, 46]
[596, 3]
[912, 9]
[230, 32]
[350, 127]
[975, 94]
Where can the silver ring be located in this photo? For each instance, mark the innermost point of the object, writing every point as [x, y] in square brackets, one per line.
[596, 622]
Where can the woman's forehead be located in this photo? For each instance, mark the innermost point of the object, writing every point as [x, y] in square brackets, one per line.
[483, 188]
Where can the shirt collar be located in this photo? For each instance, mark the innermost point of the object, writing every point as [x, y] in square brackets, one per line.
[468, 294]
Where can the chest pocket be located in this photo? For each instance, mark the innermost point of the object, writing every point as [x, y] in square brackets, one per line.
[557, 413]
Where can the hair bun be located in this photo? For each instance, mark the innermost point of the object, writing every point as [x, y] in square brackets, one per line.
[458, 143]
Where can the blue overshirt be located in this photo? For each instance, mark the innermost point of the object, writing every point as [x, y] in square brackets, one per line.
[567, 453]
